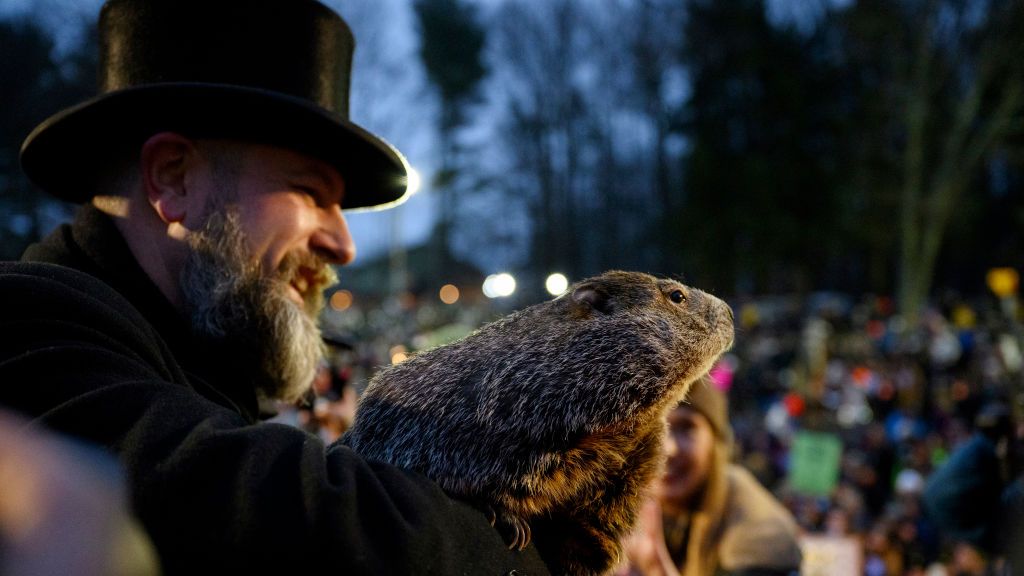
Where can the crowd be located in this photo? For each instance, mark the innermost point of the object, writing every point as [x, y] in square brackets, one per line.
[901, 401]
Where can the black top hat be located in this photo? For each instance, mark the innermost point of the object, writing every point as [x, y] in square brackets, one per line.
[268, 71]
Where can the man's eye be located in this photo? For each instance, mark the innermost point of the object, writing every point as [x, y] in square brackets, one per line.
[313, 193]
[677, 296]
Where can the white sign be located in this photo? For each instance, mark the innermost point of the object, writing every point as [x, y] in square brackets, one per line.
[831, 556]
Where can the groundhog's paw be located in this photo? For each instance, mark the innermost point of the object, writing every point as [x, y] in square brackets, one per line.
[514, 530]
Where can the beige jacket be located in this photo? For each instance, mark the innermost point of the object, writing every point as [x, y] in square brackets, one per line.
[740, 526]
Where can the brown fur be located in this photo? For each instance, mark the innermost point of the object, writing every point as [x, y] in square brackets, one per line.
[553, 417]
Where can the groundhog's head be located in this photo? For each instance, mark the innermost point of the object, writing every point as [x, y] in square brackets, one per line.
[627, 340]
[703, 321]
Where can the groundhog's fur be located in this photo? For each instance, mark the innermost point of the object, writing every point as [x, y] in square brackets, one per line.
[552, 418]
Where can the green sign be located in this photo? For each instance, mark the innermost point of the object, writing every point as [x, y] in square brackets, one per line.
[814, 463]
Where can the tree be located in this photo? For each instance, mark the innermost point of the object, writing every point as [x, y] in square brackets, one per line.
[755, 152]
[585, 125]
[974, 74]
[948, 76]
[761, 211]
[36, 85]
[451, 46]
[536, 47]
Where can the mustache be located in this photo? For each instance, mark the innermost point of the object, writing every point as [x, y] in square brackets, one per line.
[310, 273]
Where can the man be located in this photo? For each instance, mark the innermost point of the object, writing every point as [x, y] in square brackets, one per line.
[213, 168]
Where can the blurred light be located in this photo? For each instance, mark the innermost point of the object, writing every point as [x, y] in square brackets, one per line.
[861, 376]
[499, 285]
[960, 391]
[1009, 350]
[964, 317]
[412, 185]
[876, 329]
[407, 300]
[750, 316]
[853, 414]
[449, 294]
[794, 404]
[341, 300]
[1002, 282]
[556, 284]
[398, 354]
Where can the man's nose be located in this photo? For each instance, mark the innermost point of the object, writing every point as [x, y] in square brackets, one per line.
[333, 240]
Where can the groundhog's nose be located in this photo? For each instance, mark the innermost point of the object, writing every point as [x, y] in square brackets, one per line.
[718, 312]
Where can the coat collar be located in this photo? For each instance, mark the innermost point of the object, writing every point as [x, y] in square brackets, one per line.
[93, 244]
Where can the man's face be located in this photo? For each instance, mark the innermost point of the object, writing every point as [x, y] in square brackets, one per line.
[288, 203]
[690, 449]
[261, 259]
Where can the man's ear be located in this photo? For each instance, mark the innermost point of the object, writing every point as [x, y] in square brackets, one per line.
[165, 161]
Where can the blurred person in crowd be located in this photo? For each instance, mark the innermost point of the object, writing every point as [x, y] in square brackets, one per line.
[1011, 532]
[837, 522]
[328, 409]
[334, 404]
[967, 560]
[972, 499]
[849, 499]
[882, 556]
[913, 545]
[63, 509]
[213, 170]
[875, 477]
[715, 518]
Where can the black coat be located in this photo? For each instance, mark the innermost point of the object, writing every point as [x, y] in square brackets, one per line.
[89, 347]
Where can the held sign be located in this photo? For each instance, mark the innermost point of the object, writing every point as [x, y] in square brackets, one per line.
[814, 463]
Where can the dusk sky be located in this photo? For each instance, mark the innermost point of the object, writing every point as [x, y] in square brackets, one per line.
[390, 97]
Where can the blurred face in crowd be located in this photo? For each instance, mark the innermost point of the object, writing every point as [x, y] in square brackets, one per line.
[690, 449]
[258, 264]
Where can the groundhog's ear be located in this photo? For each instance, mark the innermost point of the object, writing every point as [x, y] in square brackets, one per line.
[593, 297]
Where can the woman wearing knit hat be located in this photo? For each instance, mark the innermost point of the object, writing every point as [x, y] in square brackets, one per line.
[716, 517]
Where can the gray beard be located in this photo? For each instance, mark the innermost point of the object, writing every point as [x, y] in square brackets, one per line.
[232, 301]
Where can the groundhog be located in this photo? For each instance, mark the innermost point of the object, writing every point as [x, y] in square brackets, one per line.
[552, 419]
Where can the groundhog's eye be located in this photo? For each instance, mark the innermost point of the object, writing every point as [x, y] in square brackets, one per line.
[677, 296]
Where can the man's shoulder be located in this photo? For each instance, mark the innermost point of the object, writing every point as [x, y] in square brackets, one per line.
[44, 272]
[28, 284]
[52, 306]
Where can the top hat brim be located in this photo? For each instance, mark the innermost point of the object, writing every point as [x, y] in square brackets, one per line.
[62, 154]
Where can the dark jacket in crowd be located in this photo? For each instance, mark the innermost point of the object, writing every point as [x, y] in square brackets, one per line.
[1011, 530]
[962, 495]
[90, 347]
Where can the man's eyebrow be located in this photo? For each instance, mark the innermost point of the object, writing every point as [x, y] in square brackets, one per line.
[333, 188]
[311, 170]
